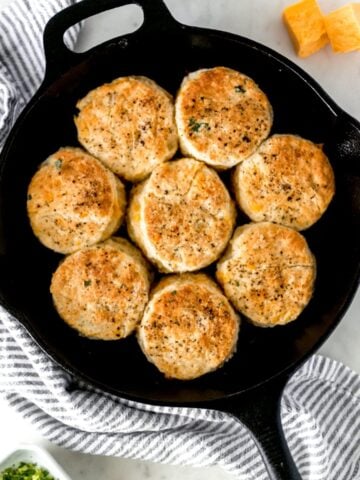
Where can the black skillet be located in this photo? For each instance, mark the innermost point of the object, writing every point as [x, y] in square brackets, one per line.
[250, 385]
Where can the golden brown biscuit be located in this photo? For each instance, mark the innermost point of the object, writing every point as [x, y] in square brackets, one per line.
[74, 201]
[222, 116]
[189, 327]
[289, 180]
[268, 273]
[101, 291]
[129, 125]
[182, 216]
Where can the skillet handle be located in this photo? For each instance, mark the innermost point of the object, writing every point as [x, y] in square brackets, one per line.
[259, 410]
[59, 58]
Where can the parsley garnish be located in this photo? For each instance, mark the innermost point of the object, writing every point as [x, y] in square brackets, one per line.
[87, 283]
[195, 126]
[25, 471]
[239, 89]
[29, 197]
[58, 164]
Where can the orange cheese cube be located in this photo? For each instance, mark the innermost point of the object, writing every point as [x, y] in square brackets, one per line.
[306, 26]
[343, 28]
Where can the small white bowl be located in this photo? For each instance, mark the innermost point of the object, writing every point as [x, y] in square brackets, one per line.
[34, 454]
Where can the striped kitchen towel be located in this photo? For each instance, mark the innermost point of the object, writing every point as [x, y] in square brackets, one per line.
[321, 404]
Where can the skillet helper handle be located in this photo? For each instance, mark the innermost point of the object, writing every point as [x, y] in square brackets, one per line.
[259, 411]
[345, 143]
[59, 58]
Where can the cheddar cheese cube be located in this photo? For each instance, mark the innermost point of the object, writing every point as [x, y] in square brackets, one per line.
[306, 26]
[343, 28]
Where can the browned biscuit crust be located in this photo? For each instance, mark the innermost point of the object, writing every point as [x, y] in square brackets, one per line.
[182, 217]
[129, 125]
[289, 180]
[101, 291]
[74, 201]
[222, 116]
[268, 273]
[189, 328]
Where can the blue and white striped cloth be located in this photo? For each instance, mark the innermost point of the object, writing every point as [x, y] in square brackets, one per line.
[321, 404]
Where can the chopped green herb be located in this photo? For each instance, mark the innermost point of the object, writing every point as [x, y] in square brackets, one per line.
[239, 89]
[173, 292]
[29, 197]
[195, 125]
[25, 471]
[58, 164]
[87, 283]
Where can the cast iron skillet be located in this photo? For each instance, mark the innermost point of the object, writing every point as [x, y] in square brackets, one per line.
[250, 385]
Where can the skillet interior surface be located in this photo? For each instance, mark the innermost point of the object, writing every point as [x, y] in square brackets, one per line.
[27, 266]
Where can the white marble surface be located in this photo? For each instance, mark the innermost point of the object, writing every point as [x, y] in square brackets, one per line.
[340, 77]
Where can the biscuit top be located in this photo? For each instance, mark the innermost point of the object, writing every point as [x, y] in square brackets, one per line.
[189, 327]
[128, 124]
[102, 290]
[74, 201]
[289, 180]
[222, 116]
[268, 273]
[187, 215]
[263, 245]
